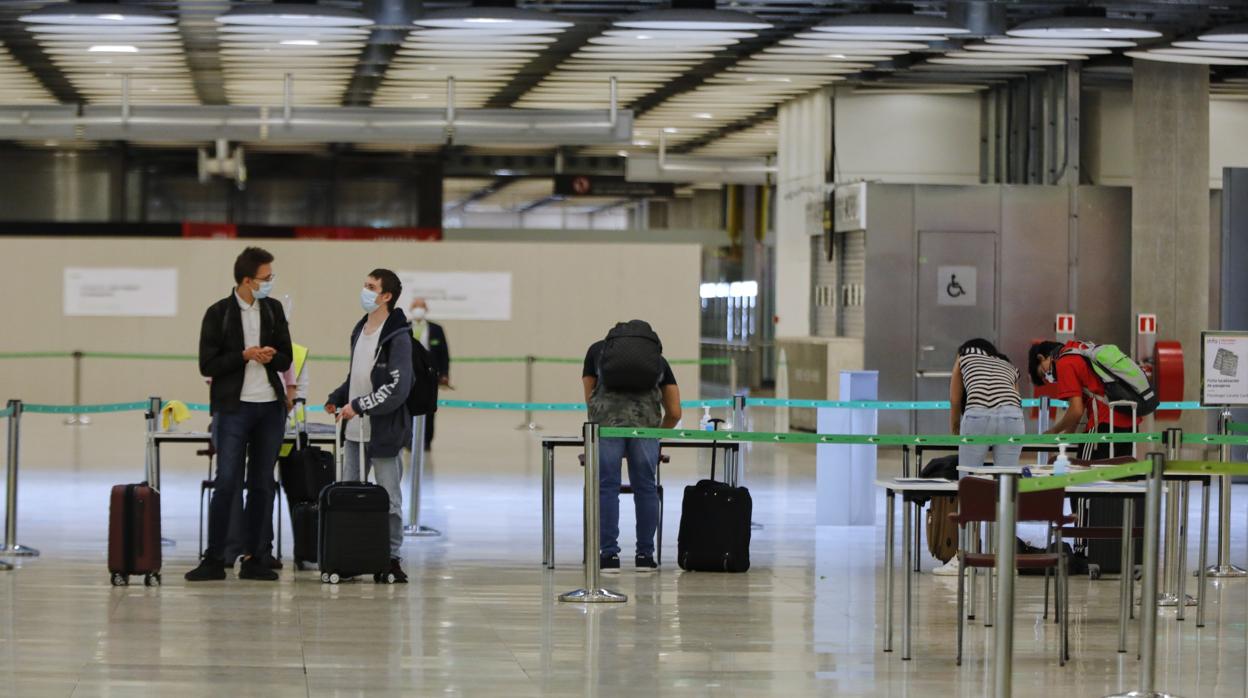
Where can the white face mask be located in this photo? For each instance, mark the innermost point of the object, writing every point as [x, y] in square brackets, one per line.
[419, 313]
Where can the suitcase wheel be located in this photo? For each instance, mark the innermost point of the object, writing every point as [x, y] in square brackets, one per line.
[330, 578]
[120, 580]
[151, 580]
[1094, 571]
[387, 578]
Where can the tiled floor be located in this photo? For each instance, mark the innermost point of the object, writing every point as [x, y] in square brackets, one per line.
[480, 616]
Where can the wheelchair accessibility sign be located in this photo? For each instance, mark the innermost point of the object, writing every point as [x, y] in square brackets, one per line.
[955, 286]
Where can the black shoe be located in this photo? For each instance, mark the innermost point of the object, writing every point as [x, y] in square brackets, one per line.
[272, 562]
[396, 570]
[209, 570]
[609, 564]
[254, 568]
[645, 563]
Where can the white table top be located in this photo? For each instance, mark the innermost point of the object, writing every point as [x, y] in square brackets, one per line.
[203, 436]
[934, 485]
[580, 441]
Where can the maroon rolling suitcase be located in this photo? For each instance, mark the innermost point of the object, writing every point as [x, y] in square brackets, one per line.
[134, 534]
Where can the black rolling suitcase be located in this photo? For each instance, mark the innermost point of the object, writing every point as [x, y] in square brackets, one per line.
[714, 527]
[354, 527]
[305, 471]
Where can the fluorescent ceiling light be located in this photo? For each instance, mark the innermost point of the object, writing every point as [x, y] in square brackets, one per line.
[1236, 33]
[89, 14]
[1241, 53]
[827, 36]
[693, 19]
[1039, 50]
[691, 35]
[293, 15]
[1210, 46]
[489, 18]
[1177, 58]
[998, 56]
[113, 48]
[998, 63]
[890, 23]
[1060, 43]
[1078, 27]
[855, 44]
[660, 41]
[300, 42]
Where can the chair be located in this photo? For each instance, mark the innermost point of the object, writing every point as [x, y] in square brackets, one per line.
[977, 503]
[627, 488]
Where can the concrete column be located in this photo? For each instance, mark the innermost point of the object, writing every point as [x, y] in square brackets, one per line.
[803, 159]
[1170, 208]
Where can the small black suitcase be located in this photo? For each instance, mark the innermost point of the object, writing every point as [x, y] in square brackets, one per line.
[304, 524]
[306, 470]
[354, 528]
[714, 527]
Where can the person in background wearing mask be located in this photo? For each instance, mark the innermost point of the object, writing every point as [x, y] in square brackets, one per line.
[244, 345]
[373, 399]
[433, 337]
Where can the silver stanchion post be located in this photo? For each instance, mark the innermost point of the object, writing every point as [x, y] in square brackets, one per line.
[11, 546]
[152, 476]
[1174, 591]
[1003, 656]
[413, 527]
[1224, 568]
[1148, 602]
[528, 422]
[77, 419]
[732, 375]
[592, 592]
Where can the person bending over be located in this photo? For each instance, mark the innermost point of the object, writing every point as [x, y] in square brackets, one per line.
[628, 383]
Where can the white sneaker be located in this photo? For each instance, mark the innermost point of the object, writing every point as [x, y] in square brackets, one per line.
[949, 569]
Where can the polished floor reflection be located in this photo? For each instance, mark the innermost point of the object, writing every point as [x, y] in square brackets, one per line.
[480, 617]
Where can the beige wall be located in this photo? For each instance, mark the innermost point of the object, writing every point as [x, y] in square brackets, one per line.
[564, 296]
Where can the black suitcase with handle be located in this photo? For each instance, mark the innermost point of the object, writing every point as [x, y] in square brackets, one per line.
[714, 526]
[354, 527]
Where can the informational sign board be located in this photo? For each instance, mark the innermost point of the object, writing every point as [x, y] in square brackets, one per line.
[606, 185]
[459, 295]
[1224, 369]
[956, 285]
[120, 292]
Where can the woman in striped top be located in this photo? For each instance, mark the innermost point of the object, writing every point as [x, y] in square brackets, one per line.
[984, 400]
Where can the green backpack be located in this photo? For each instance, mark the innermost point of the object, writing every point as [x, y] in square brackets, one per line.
[1124, 380]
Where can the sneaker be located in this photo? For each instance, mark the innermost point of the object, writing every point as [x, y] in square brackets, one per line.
[272, 562]
[400, 577]
[254, 568]
[645, 563]
[209, 570]
[949, 569]
[610, 564]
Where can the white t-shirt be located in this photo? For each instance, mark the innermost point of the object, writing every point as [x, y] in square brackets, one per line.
[256, 385]
[362, 358]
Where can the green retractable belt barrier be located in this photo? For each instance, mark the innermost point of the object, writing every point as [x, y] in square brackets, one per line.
[876, 440]
[85, 409]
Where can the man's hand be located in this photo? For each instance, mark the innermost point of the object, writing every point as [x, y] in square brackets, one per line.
[252, 353]
[266, 354]
[330, 408]
[444, 380]
[347, 413]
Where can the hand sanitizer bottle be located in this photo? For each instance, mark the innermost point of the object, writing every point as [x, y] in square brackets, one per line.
[1062, 464]
[705, 423]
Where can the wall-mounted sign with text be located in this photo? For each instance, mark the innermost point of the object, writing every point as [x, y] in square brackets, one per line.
[599, 185]
[459, 295]
[120, 292]
[1224, 369]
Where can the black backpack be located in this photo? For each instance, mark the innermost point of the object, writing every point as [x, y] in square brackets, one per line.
[423, 398]
[631, 358]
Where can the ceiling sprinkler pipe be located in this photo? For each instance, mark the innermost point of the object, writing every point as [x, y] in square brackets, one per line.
[615, 102]
[981, 17]
[450, 109]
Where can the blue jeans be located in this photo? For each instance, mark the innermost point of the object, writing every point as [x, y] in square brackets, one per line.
[248, 441]
[998, 421]
[643, 465]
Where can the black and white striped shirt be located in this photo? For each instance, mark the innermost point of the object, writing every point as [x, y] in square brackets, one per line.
[988, 381]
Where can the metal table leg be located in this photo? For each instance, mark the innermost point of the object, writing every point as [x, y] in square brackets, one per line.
[548, 506]
[1124, 598]
[907, 542]
[890, 501]
[1203, 569]
[918, 541]
[1181, 572]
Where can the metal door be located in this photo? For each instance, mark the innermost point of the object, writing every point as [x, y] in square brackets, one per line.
[957, 300]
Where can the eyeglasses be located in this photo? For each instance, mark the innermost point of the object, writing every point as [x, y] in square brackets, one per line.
[267, 279]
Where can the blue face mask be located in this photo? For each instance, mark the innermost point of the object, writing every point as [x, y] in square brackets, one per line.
[368, 299]
[266, 287]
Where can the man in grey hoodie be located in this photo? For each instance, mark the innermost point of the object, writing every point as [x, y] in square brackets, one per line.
[373, 399]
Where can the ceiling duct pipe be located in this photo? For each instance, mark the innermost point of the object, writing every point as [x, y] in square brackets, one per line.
[981, 18]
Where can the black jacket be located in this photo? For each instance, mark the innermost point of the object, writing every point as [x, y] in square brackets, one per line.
[392, 376]
[439, 348]
[221, 349]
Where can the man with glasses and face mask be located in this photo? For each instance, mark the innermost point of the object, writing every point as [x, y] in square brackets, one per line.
[244, 346]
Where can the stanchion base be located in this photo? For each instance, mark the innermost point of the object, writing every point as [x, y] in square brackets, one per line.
[1223, 571]
[421, 532]
[593, 596]
[1143, 694]
[167, 542]
[18, 551]
[5, 567]
[1169, 600]
[531, 426]
[80, 420]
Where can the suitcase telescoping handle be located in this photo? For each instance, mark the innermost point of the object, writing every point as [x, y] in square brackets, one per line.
[340, 446]
[301, 423]
[715, 422]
